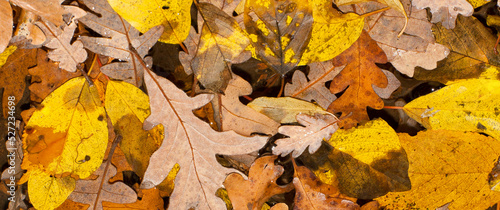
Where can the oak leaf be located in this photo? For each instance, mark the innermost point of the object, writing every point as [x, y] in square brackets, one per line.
[118, 36]
[151, 199]
[445, 12]
[284, 109]
[317, 128]
[447, 167]
[279, 31]
[468, 105]
[356, 80]
[68, 54]
[174, 16]
[5, 25]
[192, 144]
[260, 186]
[48, 9]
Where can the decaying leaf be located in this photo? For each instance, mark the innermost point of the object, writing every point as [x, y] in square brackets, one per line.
[332, 32]
[317, 128]
[48, 9]
[95, 192]
[279, 31]
[221, 41]
[310, 193]
[240, 118]
[471, 52]
[367, 161]
[192, 144]
[5, 25]
[356, 80]
[313, 87]
[284, 109]
[127, 107]
[445, 12]
[469, 105]
[118, 37]
[447, 167]
[68, 133]
[260, 186]
[143, 15]
[68, 54]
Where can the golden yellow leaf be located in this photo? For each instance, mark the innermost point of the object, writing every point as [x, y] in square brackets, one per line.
[478, 3]
[68, 133]
[6, 53]
[48, 192]
[332, 32]
[367, 161]
[284, 109]
[447, 167]
[168, 184]
[174, 15]
[127, 107]
[469, 105]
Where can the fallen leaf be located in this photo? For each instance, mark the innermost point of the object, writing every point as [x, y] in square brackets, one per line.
[366, 162]
[150, 200]
[260, 186]
[284, 109]
[174, 16]
[279, 31]
[192, 144]
[332, 32]
[118, 37]
[469, 105]
[95, 192]
[445, 12]
[48, 9]
[471, 52]
[317, 128]
[447, 167]
[356, 80]
[69, 204]
[221, 41]
[240, 118]
[493, 179]
[313, 87]
[48, 192]
[68, 54]
[392, 84]
[311, 193]
[68, 133]
[478, 3]
[46, 76]
[127, 107]
[15, 69]
[27, 34]
[5, 25]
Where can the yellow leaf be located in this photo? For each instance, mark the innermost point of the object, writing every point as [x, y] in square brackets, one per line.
[68, 133]
[366, 162]
[447, 167]
[5, 54]
[284, 109]
[48, 192]
[478, 3]
[174, 15]
[469, 105]
[168, 184]
[127, 107]
[332, 32]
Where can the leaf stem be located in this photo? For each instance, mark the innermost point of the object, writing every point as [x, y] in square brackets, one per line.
[393, 107]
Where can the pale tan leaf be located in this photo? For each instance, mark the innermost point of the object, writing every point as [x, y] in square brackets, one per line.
[48, 9]
[191, 143]
[68, 54]
[445, 12]
[5, 24]
[317, 128]
[94, 192]
[284, 109]
[392, 84]
[240, 118]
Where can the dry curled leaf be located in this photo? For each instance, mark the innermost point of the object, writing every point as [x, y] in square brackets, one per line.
[260, 186]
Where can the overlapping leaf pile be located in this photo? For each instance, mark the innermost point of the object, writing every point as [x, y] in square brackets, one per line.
[106, 126]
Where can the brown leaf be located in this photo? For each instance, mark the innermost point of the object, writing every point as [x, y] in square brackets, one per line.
[310, 193]
[94, 192]
[13, 74]
[279, 31]
[5, 25]
[46, 77]
[317, 128]
[150, 200]
[358, 76]
[445, 12]
[118, 35]
[69, 204]
[260, 186]
[240, 118]
[68, 54]
[48, 9]
[27, 34]
[192, 144]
